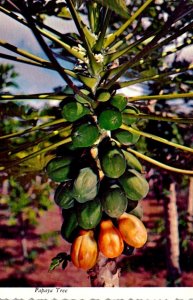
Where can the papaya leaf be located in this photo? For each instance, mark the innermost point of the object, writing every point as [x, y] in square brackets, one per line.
[118, 6]
[64, 13]
[55, 263]
[57, 260]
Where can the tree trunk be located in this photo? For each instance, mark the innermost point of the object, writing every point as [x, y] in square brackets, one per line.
[190, 208]
[105, 273]
[172, 238]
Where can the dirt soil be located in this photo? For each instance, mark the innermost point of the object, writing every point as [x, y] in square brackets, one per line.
[147, 268]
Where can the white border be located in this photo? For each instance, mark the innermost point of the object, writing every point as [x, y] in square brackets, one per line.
[62, 293]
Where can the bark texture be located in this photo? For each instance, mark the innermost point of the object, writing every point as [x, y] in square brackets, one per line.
[105, 273]
[190, 208]
[172, 238]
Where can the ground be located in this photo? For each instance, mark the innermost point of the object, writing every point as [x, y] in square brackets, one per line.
[147, 268]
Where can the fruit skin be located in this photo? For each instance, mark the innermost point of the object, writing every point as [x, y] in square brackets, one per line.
[134, 184]
[110, 119]
[84, 250]
[110, 241]
[58, 169]
[131, 205]
[113, 162]
[126, 138]
[69, 225]
[137, 211]
[132, 230]
[114, 202]
[119, 101]
[132, 161]
[85, 185]
[63, 196]
[84, 135]
[89, 214]
[103, 96]
[72, 111]
[128, 120]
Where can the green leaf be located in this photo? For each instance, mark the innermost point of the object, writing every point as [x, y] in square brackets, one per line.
[90, 82]
[149, 72]
[118, 6]
[56, 261]
[64, 13]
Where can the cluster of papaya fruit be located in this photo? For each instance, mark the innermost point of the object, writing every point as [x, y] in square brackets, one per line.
[100, 183]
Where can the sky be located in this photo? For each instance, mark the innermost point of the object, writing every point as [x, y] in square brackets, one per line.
[32, 79]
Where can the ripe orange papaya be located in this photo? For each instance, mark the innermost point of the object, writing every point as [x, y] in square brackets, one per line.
[84, 250]
[110, 241]
[132, 230]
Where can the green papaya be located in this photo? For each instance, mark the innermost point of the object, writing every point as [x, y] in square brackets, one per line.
[114, 202]
[110, 119]
[85, 185]
[137, 211]
[132, 161]
[58, 169]
[113, 162]
[131, 205]
[63, 196]
[125, 137]
[134, 184]
[85, 135]
[89, 214]
[103, 96]
[73, 111]
[69, 225]
[119, 101]
[127, 118]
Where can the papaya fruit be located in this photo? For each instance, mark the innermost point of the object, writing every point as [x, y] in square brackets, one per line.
[125, 137]
[114, 202]
[137, 211]
[132, 230]
[113, 163]
[58, 169]
[110, 241]
[63, 195]
[85, 186]
[73, 111]
[119, 101]
[132, 161]
[134, 184]
[84, 250]
[89, 214]
[127, 119]
[84, 135]
[69, 226]
[103, 96]
[131, 205]
[110, 119]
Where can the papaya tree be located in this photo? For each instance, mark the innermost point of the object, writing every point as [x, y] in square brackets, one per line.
[91, 142]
